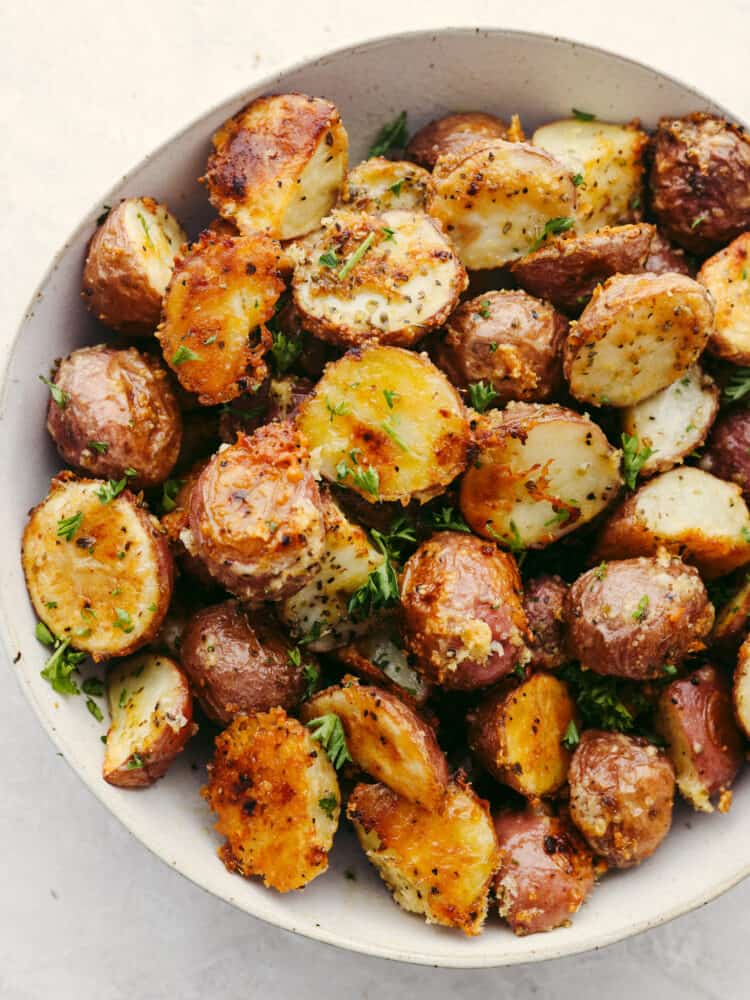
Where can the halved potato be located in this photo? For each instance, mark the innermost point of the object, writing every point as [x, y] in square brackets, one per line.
[387, 424]
[439, 864]
[674, 421]
[691, 513]
[639, 333]
[276, 798]
[387, 739]
[741, 689]
[453, 132]
[222, 290]
[129, 263]
[380, 185]
[389, 277]
[98, 567]
[497, 199]
[380, 657]
[541, 471]
[151, 710]
[732, 623]
[516, 733]
[278, 165]
[727, 277]
[609, 160]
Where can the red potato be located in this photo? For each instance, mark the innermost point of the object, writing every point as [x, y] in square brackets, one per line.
[665, 256]
[725, 275]
[732, 623]
[741, 689]
[694, 716]
[543, 601]
[379, 657]
[727, 453]
[454, 132]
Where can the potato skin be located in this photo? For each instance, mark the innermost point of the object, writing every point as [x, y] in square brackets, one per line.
[543, 602]
[451, 134]
[459, 597]
[699, 181]
[123, 401]
[664, 256]
[727, 453]
[741, 689]
[546, 870]
[725, 275]
[508, 339]
[621, 796]
[631, 617]
[240, 664]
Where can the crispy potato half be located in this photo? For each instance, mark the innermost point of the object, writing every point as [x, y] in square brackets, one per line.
[541, 471]
[727, 277]
[741, 689]
[276, 799]
[454, 132]
[380, 185]
[222, 291]
[129, 263]
[98, 569]
[689, 512]
[638, 334]
[608, 159]
[386, 739]
[390, 277]
[387, 424]
[436, 863]
[151, 711]
[496, 199]
[517, 733]
[674, 421]
[380, 657]
[278, 165]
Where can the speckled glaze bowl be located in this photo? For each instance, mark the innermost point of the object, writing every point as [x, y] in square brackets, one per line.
[428, 73]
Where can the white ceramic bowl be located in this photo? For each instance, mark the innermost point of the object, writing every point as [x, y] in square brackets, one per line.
[429, 74]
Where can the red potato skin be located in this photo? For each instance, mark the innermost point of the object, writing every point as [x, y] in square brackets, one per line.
[453, 584]
[452, 133]
[664, 256]
[742, 703]
[544, 599]
[727, 453]
[546, 870]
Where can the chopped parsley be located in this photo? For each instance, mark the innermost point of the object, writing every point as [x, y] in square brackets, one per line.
[601, 571]
[392, 135]
[396, 186]
[101, 447]
[608, 702]
[633, 458]
[446, 519]
[481, 395]
[92, 706]
[93, 686]
[123, 620]
[146, 232]
[738, 385]
[389, 396]
[571, 738]
[393, 434]
[553, 227]
[339, 410]
[135, 763]
[123, 699]
[484, 309]
[285, 351]
[61, 664]
[68, 526]
[578, 179]
[329, 732]
[328, 259]
[312, 635]
[381, 587]
[183, 354]
[328, 804]
[582, 116]
[559, 517]
[669, 670]
[390, 234]
[366, 480]
[60, 397]
[311, 675]
[111, 489]
[697, 221]
[642, 610]
[354, 258]
[169, 492]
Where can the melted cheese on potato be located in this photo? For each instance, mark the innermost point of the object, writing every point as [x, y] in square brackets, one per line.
[380, 185]
[727, 277]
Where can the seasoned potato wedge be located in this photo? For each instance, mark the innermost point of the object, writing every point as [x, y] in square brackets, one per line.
[386, 739]
[694, 715]
[517, 733]
[151, 710]
[380, 657]
[320, 607]
[277, 166]
[727, 277]
[454, 132]
[436, 863]
[98, 569]
[129, 263]
[541, 472]
[388, 424]
[741, 689]
[689, 512]
[566, 271]
[732, 623]
[638, 334]
[390, 277]
[674, 421]
[222, 290]
[276, 799]
[495, 200]
[609, 160]
[380, 185]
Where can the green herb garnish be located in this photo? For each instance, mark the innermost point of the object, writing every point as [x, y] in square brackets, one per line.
[392, 135]
[481, 395]
[60, 397]
[329, 732]
[633, 458]
[553, 227]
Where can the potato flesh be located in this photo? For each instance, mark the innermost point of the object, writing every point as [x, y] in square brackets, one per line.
[386, 655]
[727, 277]
[609, 158]
[380, 185]
[158, 236]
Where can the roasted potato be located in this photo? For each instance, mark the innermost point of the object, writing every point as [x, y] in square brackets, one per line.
[389, 278]
[277, 166]
[276, 798]
[699, 517]
[98, 568]
[540, 472]
[379, 656]
[732, 623]
[700, 173]
[239, 664]
[462, 613]
[635, 618]
[129, 263]
[674, 421]
[566, 271]
[380, 185]
[387, 424]
[638, 334]
[727, 277]
[694, 715]
[727, 453]
[452, 133]
[222, 292]
[517, 732]
[546, 871]
[386, 739]
[508, 340]
[607, 160]
[437, 863]
[741, 689]
[543, 602]
[176, 520]
[151, 710]
[201, 436]
[256, 517]
[116, 416]
[621, 796]
[665, 256]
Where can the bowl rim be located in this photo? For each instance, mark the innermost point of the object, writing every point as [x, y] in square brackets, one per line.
[549, 947]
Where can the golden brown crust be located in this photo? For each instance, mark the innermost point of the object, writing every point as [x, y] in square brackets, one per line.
[453, 133]
[380, 185]
[727, 277]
